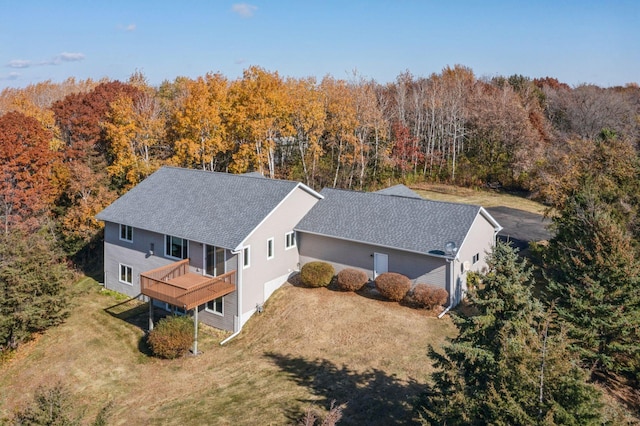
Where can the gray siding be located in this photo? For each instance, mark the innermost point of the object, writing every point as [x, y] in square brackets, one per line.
[230, 307]
[347, 254]
[479, 241]
[137, 256]
[285, 261]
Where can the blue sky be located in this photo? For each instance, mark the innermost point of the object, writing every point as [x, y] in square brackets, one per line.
[575, 41]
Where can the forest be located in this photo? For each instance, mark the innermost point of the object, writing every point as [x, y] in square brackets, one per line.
[68, 149]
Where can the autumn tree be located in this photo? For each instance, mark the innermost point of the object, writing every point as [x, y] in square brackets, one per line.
[340, 127]
[260, 120]
[79, 117]
[404, 150]
[87, 193]
[371, 128]
[308, 118]
[199, 125]
[134, 127]
[509, 363]
[502, 143]
[26, 162]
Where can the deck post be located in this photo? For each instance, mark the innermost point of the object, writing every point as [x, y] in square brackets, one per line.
[195, 330]
[150, 314]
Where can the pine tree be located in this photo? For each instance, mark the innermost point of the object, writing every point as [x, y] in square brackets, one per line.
[32, 292]
[593, 261]
[509, 363]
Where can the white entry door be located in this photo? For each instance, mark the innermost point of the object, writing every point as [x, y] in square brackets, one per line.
[380, 264]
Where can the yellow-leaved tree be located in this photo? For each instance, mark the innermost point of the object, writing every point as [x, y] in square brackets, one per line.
[134, 127]
[260, 119]
[308, 119]
[199, 123]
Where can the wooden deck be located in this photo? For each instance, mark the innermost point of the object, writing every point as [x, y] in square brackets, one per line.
[174, 284]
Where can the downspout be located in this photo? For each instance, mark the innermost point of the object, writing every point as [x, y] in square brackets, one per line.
[451, 304]
[240, 254]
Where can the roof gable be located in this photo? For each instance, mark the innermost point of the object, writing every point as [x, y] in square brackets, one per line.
[410, 224]
[399, 191]
[220, 209]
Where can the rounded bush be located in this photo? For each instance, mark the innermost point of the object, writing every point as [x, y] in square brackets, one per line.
[393, 286]
[351, 279]
[429, 296]
[172, 337]
[316, 274]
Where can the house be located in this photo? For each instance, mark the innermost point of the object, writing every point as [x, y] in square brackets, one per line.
[217, 242]
[221, 244]
[395, 230]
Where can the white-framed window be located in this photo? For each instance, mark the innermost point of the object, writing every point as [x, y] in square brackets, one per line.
[246, 252]
[216, 306]
[126, 274]
[175, 310]
[476, 258]
[270, 248]
[126, 233]
[289, 240]
[176, 248]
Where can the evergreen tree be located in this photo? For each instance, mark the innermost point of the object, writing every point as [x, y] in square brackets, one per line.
[509, 363]
[596, 288]
[32, 292]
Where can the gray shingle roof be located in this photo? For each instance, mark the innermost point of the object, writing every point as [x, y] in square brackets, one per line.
[416, 225]
[400, 191]
[215, 208]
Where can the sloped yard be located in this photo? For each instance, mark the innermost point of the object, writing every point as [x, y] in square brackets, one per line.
[309, 347]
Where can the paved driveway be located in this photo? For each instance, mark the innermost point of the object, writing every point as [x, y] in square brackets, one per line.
[521, 227]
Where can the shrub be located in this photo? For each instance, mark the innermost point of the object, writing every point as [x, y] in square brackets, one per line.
[172, 337]
[429, 296]
[393, 286]
[351, 279]
[316, 274]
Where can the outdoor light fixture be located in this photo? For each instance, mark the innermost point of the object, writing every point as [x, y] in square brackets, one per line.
[450, 248]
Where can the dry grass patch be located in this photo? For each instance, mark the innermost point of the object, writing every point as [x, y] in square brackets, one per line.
[485, 198]
[310, 346]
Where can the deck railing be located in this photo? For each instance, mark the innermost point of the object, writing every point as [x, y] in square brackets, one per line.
[156, 284]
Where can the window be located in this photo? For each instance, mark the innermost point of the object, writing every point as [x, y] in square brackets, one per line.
[126, 233]
[476, 258]
[126, 274]
[270, 252]
[216, 306]
[176, 247]
[289, 240]
[245, 257]
[214, 260]
[175, 310]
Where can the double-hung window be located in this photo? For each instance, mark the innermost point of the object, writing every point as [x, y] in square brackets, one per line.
[289, 240]
[177, 248]
[126, 274]
[126, 233]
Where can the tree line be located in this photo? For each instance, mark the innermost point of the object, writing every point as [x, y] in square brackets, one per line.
[68, 149]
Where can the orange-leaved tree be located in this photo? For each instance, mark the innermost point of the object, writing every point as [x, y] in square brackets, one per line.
[26, 162]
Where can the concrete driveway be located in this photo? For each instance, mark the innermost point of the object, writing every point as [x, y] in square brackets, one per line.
[521, 227]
